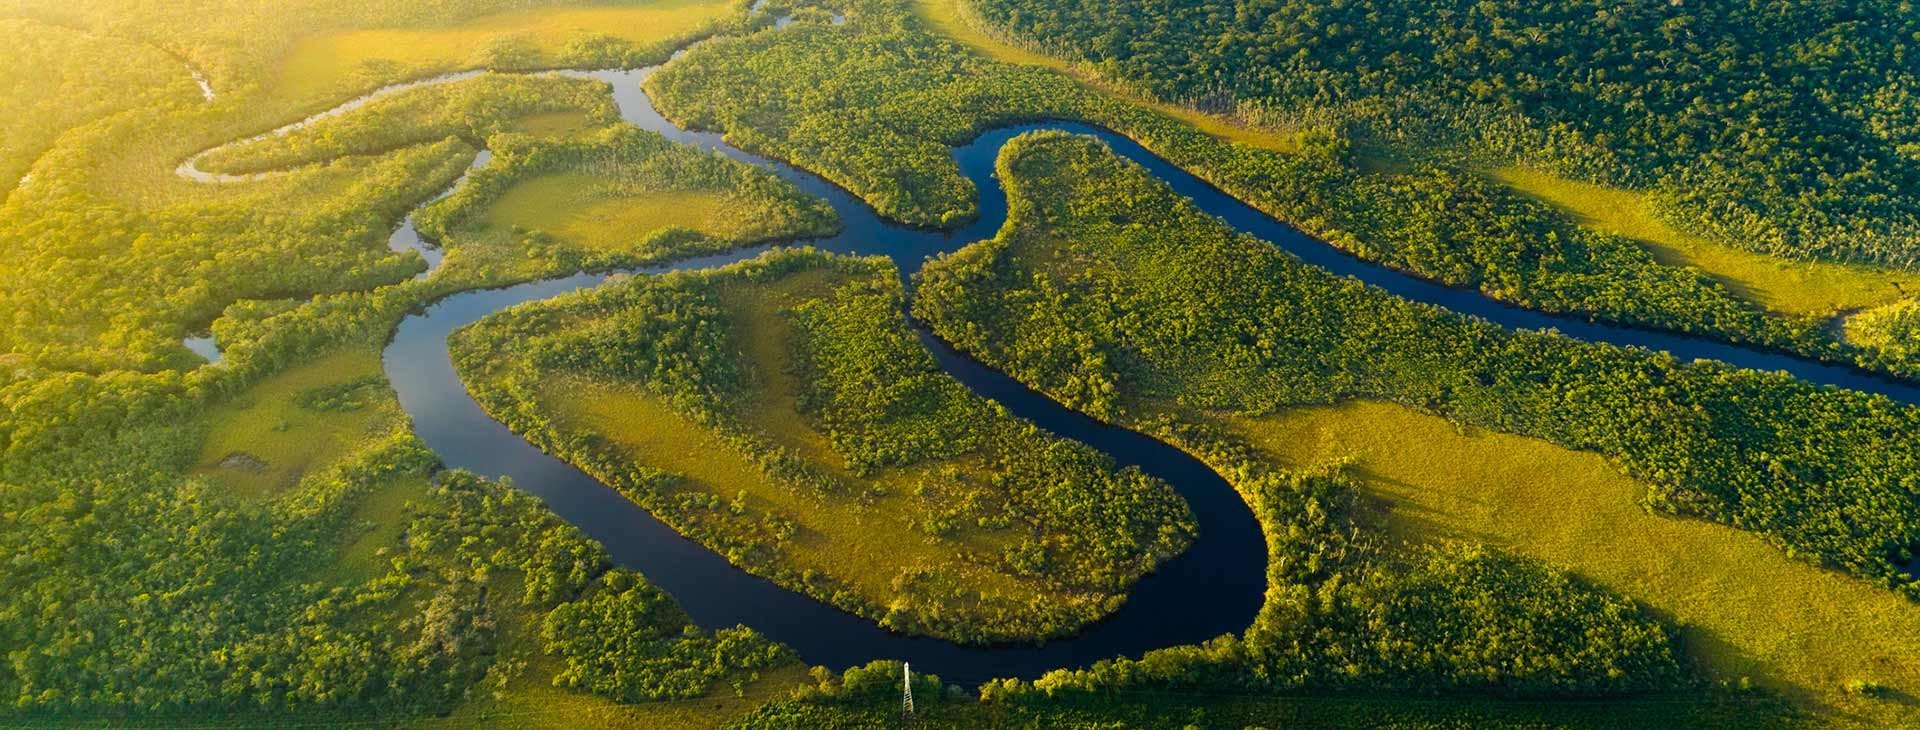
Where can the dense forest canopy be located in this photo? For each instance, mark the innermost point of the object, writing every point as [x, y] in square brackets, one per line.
[1787, 127]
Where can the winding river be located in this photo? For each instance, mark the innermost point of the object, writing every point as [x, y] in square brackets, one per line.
[1215, 588]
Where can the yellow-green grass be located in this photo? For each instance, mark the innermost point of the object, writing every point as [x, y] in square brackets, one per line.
[1790, 287]
[864, 545]
[328, 62]
[265, 425]
[519, 693]
[596, 213]
[1745, 608]
[530, 700]
[768, 342]
[379, 522]
[951, 19]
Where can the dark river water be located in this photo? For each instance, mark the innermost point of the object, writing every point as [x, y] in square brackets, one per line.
[1214, 588]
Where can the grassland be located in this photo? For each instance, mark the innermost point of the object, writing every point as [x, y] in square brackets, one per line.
[595, 213]
[1790, 287]
[780, 412]
[519, 691]
[513, 38]
[529, 701]
[1744, 608]
[378, 531]
[608, 197]
[867, 545]
[870, 542]
[263, 442]
[554, 124]
[952, 19]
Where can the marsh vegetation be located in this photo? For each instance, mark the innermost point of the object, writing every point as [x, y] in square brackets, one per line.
[781, 412]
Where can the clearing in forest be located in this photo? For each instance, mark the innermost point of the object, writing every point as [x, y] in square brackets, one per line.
[263, 442]
[1745, 608]
[597, 213]
[1818, 288]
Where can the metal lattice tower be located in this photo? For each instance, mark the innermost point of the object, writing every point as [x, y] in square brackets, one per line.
[906, 691]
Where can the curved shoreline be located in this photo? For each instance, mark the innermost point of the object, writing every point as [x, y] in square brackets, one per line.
[1227, 564]
[1216, 587]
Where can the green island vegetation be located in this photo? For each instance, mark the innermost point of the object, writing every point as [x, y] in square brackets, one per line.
[609, 198]
[472, 111]
[781, 412]
[1089, 295]
[1466, 527]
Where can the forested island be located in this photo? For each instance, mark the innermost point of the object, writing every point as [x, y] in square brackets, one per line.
[902, 363]
[780, 411]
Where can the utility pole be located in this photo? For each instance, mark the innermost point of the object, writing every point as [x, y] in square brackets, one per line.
[906, 691]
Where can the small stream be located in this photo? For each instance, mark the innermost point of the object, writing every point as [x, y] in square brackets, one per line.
[1215, 588]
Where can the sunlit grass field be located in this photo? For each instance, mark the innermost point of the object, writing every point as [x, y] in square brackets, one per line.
[595, 213]
[554, 124]
[519, 693]
[1746, 608]
[530, 700]
[379, 524]
[867, 545]
[1790, 287]
[262, 442]
[325, 62]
